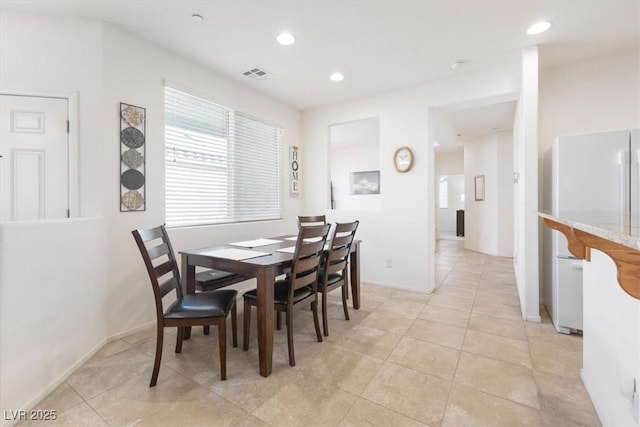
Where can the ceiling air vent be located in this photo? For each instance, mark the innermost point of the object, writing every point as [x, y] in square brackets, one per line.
[256, 73]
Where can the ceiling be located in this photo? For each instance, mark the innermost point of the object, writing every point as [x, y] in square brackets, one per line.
[378, 45]
[455, 125]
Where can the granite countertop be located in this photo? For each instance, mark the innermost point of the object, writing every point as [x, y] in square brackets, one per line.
[601, 224]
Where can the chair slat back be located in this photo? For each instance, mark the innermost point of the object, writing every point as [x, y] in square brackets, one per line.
[307, 257]
[340, 247]
[162, 268]
[311, 220]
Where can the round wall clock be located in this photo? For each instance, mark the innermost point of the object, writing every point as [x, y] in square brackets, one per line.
[403, 159]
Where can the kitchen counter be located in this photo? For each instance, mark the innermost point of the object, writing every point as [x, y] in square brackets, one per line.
[601, 225]
[619, 240]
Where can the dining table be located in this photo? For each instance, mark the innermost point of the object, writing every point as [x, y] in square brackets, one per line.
[263, 259]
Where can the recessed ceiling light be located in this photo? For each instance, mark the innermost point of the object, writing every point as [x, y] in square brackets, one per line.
[286, 39]
[538, 28]
[197, 18]
[337, 77]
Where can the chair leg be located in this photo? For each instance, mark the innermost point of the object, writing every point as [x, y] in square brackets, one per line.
[278, 320]
[292, 356]
[156, 363]
[325, 321]
[205, 329]
[314, 307]
[222, 343]
[345, 294]
[234, 324]
[346, 274]
[247, 324]
[179, 338]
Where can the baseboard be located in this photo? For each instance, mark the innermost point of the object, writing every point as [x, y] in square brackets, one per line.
[400, 288]
[131, 331]
[536, 319]
[57, 382]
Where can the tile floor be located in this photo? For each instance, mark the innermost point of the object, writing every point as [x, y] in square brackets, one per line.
[459, 357]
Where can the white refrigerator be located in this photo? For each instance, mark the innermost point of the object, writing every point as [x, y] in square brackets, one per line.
[593, 176]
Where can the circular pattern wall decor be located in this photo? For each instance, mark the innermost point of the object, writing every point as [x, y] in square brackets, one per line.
[132, 200]
[132, 179]
[132, 158]
[132, 137]
[132, 115]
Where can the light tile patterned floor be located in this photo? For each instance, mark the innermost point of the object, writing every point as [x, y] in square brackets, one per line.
[459, 357]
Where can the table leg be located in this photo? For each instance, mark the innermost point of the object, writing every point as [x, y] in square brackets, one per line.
[265, 281]
[188, 275]
[354, 261]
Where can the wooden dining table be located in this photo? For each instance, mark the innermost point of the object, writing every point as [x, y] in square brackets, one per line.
[265, 268]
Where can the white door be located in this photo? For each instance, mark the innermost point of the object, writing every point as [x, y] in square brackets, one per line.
[34, 168]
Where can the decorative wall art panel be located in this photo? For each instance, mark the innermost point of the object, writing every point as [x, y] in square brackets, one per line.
[294, 164]
[132, 158]
[363, 183]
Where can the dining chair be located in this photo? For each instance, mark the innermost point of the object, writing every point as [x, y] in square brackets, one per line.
[333, 273]
[305, 221]
[300, 287]
[198, 309]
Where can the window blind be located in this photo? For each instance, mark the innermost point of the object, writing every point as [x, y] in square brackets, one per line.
[221, 166]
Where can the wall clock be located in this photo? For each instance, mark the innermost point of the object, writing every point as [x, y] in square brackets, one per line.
[403, 159]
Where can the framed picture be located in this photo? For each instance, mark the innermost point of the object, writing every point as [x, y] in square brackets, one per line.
[365, 182]
[479, 187]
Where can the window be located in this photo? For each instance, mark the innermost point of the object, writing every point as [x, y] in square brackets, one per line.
[221, 166]
[443, 192]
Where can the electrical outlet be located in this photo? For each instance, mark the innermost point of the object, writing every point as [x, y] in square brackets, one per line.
[389, 263]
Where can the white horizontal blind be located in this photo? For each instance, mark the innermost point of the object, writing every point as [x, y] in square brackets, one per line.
[256, 170]
[220, 166]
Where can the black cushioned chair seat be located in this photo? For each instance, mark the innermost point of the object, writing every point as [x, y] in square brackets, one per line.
[331, 278]
[203, 304]
[281, 293]
[214, 279]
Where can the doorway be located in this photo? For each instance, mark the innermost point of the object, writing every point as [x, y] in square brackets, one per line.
[451, 200]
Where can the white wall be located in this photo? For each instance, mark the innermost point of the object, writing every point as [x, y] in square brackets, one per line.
[407, 217]
[611, 344]
[52, 283]
[94, 264]
[526, 253]
[489, 223]
[596, 95]
[505, 190]
[449, 163]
